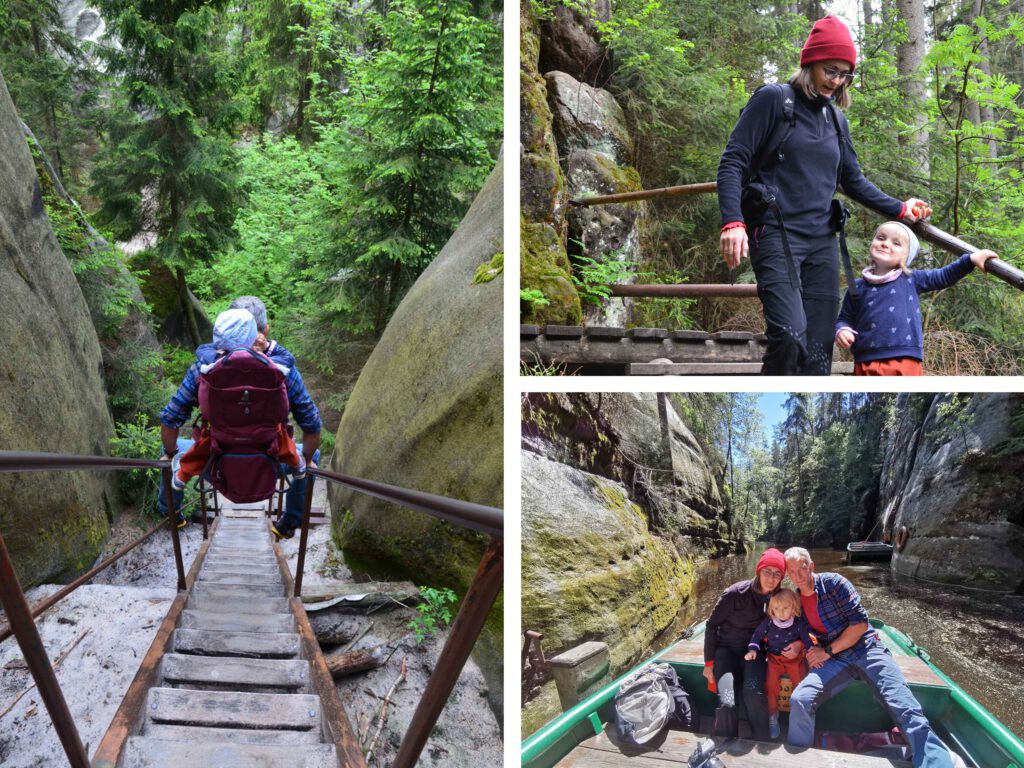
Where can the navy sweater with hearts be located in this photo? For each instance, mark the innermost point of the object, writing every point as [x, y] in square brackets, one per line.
[887, 317]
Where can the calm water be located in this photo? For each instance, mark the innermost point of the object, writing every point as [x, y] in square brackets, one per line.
[976, 638]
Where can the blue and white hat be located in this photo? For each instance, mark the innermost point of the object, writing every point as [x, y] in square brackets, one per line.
[234, 328]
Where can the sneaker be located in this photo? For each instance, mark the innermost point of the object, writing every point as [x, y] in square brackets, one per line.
[773, 726]
[180, 520]
[283, 529]
[176, 482]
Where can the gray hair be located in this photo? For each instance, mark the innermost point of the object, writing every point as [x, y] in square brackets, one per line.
[803, 80]
[256, 308]
[797, 553]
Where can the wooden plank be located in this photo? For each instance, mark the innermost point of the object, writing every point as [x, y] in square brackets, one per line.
[676, 747]
[143, 752]
[228, 735]
[237, 622]
[694, 369]
[368, 593]
[251, 644]
[231, 709]
[238, 605]
[251, 591]
[235, 673]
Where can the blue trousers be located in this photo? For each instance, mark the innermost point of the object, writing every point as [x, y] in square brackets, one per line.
[294, 497]
[871, 662]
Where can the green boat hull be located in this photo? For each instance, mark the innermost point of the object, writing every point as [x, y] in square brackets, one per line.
[959, 720]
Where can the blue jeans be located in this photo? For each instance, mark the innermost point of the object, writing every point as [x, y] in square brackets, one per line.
[871, 662]
[294, 497]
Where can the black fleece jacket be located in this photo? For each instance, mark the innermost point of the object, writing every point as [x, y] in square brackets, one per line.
[806, 179]
[737, 614]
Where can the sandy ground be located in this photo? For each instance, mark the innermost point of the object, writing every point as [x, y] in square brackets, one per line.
[109, 624]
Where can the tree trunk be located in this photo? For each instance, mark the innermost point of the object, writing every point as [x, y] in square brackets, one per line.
[187, 308]
[986, 113]
[354, 662]
[909, 56]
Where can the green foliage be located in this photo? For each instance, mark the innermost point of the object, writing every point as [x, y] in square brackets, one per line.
[136, 439]
[176, 361]
[593, 279]
[434, 612]
[533, 296]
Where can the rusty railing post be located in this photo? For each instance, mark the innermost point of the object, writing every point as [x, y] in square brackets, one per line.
[172, 515]
[202, 506]
[307, 507]
[20, 618]
[464, 632]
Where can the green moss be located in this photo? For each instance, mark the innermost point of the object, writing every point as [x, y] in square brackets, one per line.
[544, 266]
[490, 269]
[624, 178]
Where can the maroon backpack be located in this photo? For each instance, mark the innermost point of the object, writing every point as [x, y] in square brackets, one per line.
[243, 399]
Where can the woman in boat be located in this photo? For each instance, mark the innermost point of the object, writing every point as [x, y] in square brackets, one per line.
[739, 611]
[792, 245]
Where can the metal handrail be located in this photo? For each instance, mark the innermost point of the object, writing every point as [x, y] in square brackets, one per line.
[466, 628]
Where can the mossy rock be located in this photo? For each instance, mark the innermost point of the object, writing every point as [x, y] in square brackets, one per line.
[544, 266]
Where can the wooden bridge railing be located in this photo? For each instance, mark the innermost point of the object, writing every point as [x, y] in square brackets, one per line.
[466, 628]
[924, 230]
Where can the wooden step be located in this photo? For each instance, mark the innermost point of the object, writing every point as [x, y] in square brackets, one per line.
[236, 674]
[229, 735]
[254, 591]
[142, 752]
[240, 575]
[230, 709]
[237, 622]
[714, 369]
[220, 603]
[203, 642]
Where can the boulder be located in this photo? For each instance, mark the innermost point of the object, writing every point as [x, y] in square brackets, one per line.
[426, 414]
[956, 485]
[570, 42]
[51, 379]
[588, 118]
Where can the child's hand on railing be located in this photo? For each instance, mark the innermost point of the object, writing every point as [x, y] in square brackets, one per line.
[750, 655]
[978, 258]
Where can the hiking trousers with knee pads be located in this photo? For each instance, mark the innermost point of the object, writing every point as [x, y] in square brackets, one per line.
[801, 318]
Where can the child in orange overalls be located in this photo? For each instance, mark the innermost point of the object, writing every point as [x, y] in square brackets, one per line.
[782, 626]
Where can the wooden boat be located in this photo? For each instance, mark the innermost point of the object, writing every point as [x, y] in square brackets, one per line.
[583, 738]
[868, 552]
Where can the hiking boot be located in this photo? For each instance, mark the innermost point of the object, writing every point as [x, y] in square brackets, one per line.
[177, 483]
[180, 520]
[773, 726]
[283, 529]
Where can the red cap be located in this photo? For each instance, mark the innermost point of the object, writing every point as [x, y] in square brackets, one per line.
[829, 39]
[772, 558]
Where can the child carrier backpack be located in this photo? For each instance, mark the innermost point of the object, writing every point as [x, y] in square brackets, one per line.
[649, 700]
[243, 400]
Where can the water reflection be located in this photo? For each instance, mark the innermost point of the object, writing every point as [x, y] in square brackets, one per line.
[977, 638]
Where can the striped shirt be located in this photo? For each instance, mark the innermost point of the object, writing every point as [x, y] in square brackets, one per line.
[179, 410]
[838, 605]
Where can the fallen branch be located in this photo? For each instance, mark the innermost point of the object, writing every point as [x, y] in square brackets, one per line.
[53, 666]
[353, 662]
[384, 712]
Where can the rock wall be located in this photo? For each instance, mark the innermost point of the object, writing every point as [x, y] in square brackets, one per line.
[616, 499]
[426, 414]
[954, 478]
[51, 381]
[575, 143]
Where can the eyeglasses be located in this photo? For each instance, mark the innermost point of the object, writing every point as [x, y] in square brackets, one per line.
[831, 73]
[771, 573]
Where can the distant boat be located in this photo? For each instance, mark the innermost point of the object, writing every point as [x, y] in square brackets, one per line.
[868, 552]
[583, 736]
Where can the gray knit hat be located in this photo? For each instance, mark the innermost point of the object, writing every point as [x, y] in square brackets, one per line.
[913, 244]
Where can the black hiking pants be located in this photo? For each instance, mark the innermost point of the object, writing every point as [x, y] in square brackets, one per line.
[801, 318]
[731, 671]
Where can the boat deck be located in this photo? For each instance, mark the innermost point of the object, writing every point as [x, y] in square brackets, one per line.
[677, 746]
[914, 669]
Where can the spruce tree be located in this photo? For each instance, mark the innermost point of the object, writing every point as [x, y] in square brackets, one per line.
[168, 132]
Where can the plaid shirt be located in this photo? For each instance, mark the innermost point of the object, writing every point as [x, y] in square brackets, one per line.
[179, 410]
[838, 604]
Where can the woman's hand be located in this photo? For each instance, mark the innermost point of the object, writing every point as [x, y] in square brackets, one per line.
[845, 338]
[709, 673]
[917, 210]
[978, 258]
[733, 245]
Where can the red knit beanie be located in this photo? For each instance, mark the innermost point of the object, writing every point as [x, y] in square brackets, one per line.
[772, 558]
[829, 39]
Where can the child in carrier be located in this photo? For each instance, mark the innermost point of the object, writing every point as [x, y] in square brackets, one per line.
[234, 329]
[882, 322]
[782, 626]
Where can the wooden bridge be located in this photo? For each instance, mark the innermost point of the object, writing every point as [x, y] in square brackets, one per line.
[235, 676]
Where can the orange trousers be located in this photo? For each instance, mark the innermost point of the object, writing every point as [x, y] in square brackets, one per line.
[194, 460]
[777, 667]
[896, 366]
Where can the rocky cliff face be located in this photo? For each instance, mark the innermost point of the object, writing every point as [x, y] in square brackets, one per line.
[51, 381]
[574, 143]
[616, 498]
[954, 478]
[426, 414]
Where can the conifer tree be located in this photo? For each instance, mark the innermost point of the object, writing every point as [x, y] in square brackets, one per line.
[168, 132]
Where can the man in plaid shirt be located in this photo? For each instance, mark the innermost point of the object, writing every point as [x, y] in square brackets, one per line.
[850, 650]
